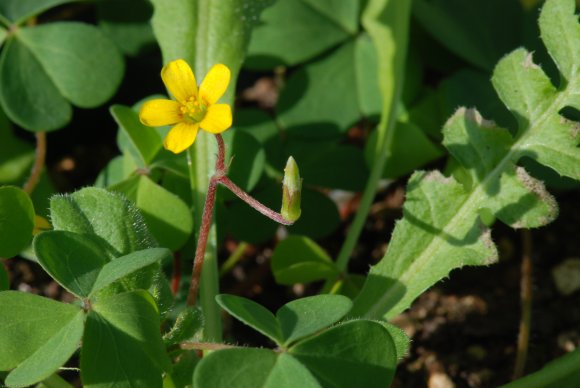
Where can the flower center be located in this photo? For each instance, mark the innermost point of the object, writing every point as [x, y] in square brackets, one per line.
[193, 110]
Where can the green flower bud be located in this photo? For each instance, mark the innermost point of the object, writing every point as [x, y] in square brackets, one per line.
[291, 186]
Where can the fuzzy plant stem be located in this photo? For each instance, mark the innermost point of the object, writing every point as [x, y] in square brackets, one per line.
[204, 229]
[526, 296]
[219, 177]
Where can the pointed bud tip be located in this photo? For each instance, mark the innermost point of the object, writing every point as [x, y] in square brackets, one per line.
[292, 186]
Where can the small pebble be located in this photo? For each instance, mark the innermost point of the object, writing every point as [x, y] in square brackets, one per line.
[567, 276]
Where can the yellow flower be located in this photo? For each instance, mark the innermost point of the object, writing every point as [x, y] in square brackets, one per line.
[193, 108]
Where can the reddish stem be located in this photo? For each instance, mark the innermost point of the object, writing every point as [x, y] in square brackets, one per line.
[220, 177]
[220, 171]
[253, 202]
[176, 278]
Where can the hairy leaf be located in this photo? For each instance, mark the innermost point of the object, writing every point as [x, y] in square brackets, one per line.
[441, 228]
[50, 356]
[29, 322]
[122, 342]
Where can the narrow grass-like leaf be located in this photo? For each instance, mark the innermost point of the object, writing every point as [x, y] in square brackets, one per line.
[441, 228]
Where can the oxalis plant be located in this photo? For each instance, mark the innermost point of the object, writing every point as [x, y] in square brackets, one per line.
[161, 202]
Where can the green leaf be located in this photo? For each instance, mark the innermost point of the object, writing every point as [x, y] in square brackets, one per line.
[144, 142]
[306, 316]
[50, 356]
[472, 88]
[562, 372]
[252, 314]
[126, 265]
[127, 24]
[166, 215]
[28, 94]
[73, 260]
[463, 27]
[16, 220]
[334, 166]
[346, 78]
[122, 342]
[411, 149]
[205, 33]
[182, 372]
[441, 228]
[251, 368]
[18, 11]
[239, 215]
[45, 67]
[187, 324]
[298, 259]
[86, 78]
[168, 22]
[400, 339]
[527, 92]
[319, 217]
[16, 155]
[108, 215]
[353, 354]
[217, 31]
[29, 322]
[286, 30]
[116, 171]
[561, 34]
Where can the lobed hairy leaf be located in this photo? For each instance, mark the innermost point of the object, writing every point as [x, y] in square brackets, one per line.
[442, 226]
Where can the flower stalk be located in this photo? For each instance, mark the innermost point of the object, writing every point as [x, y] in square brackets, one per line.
[290, 208]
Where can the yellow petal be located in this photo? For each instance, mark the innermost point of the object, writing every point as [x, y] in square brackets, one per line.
[181, 137]
[179, 79]
[215, 83]
[156, 113]
[217, 119]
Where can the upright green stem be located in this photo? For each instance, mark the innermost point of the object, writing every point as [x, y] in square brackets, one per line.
[387, 23]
